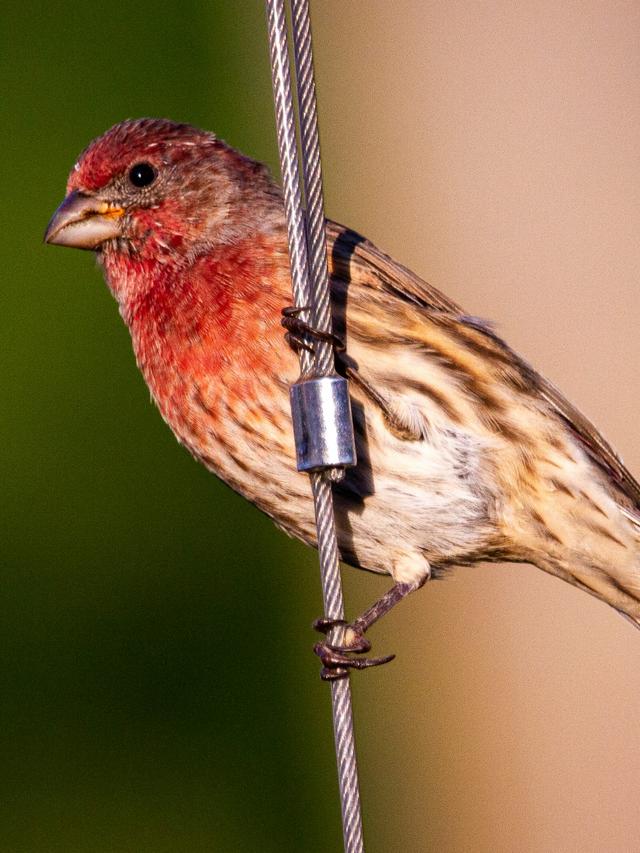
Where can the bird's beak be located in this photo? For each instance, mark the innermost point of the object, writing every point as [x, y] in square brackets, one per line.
[84, 222]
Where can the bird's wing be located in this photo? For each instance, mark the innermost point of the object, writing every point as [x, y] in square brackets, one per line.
[354, 257]
[592, 440]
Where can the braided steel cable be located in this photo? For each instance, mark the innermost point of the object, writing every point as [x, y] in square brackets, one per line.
[287, 147]
[312, 178]
[341, 689]
[307, 249]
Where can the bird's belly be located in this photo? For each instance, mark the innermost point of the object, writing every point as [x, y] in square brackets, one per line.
[430, 497]
[422, 497]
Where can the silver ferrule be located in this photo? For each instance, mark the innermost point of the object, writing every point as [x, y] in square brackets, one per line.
[322, 424]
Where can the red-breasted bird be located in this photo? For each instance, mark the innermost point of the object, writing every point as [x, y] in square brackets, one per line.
[465, 453]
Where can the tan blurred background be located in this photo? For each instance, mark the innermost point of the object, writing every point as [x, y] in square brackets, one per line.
[494, 147]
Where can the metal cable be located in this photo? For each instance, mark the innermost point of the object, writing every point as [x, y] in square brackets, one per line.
[312, 178]
[307, 251]
[286, 129]
[340, 689]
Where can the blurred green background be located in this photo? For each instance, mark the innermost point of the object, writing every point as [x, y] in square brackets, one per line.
[158, 690]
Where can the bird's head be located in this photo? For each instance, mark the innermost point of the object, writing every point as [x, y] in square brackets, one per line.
[152, 188]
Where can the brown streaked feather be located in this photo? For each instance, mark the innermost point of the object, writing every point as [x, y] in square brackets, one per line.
[399, 426]
[593, 442]
[354, 256]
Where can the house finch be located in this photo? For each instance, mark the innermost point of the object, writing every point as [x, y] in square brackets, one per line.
[465, 453]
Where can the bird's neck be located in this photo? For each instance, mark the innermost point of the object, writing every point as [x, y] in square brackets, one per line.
[213, 319]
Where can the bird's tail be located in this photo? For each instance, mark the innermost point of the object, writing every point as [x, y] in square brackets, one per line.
[630, 619]
[587, 531]
[598, 552]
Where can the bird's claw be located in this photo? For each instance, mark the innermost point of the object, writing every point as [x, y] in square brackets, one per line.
[298, 331]
[336, 664]
[338, 659]
[352, 639]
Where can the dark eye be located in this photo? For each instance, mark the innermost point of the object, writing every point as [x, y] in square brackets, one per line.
[142, 175]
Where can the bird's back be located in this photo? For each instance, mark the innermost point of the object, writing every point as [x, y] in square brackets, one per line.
[557, 493]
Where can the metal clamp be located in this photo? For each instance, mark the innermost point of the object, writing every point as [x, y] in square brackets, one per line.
[322, 424]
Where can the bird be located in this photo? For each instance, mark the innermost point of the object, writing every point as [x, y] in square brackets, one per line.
[465, 452]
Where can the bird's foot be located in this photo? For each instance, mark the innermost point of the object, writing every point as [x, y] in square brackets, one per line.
[299, 331]
[338, 658]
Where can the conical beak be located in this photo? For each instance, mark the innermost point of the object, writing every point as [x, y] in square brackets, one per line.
[84, 222]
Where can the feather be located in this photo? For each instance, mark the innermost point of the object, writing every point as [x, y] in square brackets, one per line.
[375, 269]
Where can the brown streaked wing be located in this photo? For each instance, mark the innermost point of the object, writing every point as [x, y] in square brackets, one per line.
[592, 440]
[352, 256]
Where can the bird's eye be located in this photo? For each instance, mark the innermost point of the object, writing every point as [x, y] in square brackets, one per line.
[142, 175]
